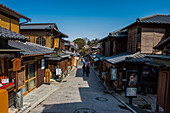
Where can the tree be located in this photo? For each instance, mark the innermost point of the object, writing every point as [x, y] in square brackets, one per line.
[80, 42]
[89, 43]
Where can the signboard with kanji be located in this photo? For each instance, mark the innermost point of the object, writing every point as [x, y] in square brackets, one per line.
[131, 92]
[16, 64]
[56, 43]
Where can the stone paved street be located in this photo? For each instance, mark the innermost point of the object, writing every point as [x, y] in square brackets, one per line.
[77, 94]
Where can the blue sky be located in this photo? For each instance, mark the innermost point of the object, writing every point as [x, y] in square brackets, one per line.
[88, 18]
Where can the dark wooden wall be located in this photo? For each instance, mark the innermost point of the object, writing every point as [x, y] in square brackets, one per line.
[40, 74]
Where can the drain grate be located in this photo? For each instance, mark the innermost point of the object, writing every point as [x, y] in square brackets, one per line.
[101, 99]
[85, 110]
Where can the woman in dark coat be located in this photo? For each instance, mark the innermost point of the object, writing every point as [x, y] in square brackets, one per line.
[87, 71]
[84, 68]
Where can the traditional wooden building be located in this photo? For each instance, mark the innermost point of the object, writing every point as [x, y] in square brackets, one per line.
[9, 19]
[147, 32]
[162, 63]
[9, 30]
[114, 43]
[45, 34]
[141, 37]
[33, 68]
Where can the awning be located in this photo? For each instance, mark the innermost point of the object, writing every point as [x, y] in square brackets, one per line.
[154, 65]
[54, 58]
[117, 58]
[96, 59]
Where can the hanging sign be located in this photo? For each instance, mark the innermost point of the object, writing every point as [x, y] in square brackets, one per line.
[16, 64]
[56, 43]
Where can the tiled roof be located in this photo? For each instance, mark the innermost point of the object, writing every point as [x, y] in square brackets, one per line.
[30, 49]
[9, 49]
[153, 19]
[126, 57]
[116, 34]
[119, 33]
[54, 58]
[67, 44]
[42, 26]
[138, 57]
[6, 9]
[117, 58]
[68, 52]
[38, 26]
[159, 57]
[157, 18]
[64, 55]
[7, 34]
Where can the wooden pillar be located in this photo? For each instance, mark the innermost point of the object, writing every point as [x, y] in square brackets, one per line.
[16, 81]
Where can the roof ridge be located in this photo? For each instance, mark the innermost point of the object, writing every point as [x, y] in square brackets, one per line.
[38, 24]
[15, 12]
[136, 54]
[37, 45]
[152, 16]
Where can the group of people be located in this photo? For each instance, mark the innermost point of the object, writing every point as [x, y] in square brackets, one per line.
[86, 68]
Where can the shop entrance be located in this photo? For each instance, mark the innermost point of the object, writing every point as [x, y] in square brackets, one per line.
[30, 78]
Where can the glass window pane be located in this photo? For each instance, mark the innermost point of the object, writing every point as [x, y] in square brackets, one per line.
[26, 72]
[21, 77]
[25, 88]
[31, 84]
[31, 71]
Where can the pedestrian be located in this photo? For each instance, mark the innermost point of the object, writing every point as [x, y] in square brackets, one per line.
[89, 64]
[87, 71]
[84, 68]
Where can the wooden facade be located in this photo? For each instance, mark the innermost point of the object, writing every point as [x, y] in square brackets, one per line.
[162, 62]
[9, 25]
[113, 46]
[43, 34]
[143, 37]
[33, 36]
[31, 74]
[62, 64]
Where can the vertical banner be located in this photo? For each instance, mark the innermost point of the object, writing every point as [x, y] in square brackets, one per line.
[56, 43]
[42, 63]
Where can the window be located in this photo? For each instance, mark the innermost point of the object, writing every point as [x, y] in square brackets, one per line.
[111, 47]
[31, 71]
[138, 46]
[40, 40]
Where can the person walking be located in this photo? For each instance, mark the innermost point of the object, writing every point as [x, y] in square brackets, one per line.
[87, 71]
[84, 68]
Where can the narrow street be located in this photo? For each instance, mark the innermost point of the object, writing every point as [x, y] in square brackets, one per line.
[78, 94]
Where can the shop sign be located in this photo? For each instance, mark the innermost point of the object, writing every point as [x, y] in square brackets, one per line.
[58, 71]
[56, 43]
[16, 64]
[131, 92]
[4, 81]
[113, 74]
[42, 63]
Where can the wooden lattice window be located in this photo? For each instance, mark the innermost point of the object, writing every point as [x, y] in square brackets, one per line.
[40, 40]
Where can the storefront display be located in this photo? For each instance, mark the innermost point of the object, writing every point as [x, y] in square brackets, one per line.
[113, 74]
